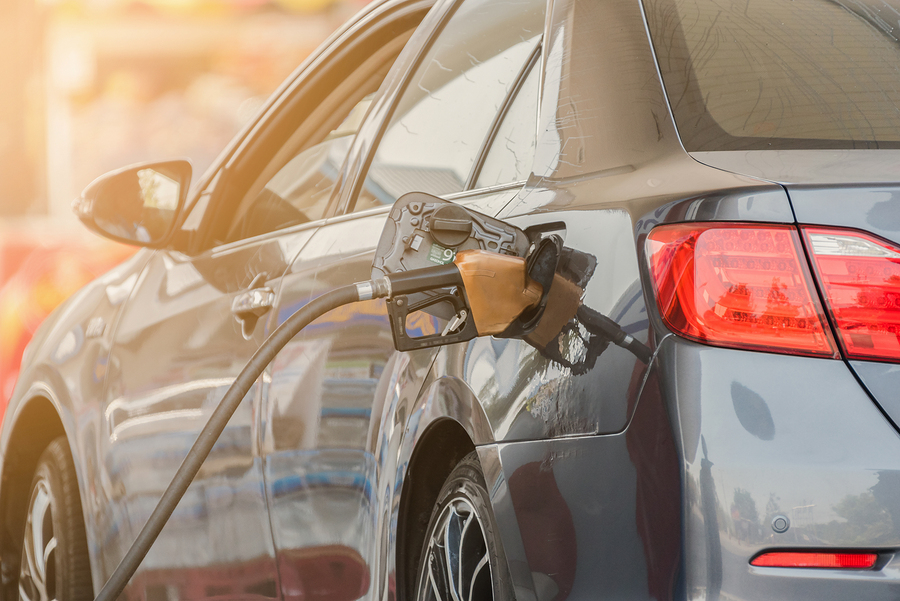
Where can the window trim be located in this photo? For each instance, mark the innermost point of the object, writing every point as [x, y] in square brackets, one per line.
[464, 194]
[462, 197]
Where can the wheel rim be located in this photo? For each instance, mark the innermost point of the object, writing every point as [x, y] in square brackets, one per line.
[457, 565]
[37, 577]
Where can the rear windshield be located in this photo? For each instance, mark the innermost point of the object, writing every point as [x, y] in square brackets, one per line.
[780, 74]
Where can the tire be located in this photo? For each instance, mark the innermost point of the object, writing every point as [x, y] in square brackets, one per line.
[54, 560]
[473, 564]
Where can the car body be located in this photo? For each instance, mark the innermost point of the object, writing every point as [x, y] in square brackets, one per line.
[609, 476]
[36, 278]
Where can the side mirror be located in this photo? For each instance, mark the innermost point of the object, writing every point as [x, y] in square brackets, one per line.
[136, 205]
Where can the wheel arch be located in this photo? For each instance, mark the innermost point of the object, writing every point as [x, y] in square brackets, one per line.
[446, 424]
[442, 445]
[36, 423]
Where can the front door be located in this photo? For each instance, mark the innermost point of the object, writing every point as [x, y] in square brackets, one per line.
[177, 348]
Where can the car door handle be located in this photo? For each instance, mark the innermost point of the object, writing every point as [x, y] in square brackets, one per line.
[250, 305]
[256, 302]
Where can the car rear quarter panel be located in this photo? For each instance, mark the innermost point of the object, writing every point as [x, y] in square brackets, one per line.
[762, 435]
[674, 507]
[873, 208]
[671, 499]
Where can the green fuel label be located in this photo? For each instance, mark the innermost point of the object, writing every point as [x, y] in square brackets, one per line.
[440, 255]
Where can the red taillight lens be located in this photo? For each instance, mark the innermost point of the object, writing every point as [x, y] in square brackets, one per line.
[743, 286]
[860, 279]
[775, 559]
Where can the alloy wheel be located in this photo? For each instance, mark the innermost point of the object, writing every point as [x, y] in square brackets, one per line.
[457, 563]
[37, 578]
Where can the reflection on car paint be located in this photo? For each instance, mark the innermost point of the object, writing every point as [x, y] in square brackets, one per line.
[547, 529]
[417, 324]
[556, 390]
[149, 422]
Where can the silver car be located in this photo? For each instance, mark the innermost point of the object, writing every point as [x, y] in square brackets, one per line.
[708, 410]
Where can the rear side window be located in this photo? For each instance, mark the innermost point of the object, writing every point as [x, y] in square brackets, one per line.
[448, 107]
[512, 149]
[776, 74]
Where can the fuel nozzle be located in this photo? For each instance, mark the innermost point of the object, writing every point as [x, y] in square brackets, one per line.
[498, 289]
[476, 274]
[485, 291]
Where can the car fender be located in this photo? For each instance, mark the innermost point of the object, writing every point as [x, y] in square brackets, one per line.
[65, 367]
[44, 383]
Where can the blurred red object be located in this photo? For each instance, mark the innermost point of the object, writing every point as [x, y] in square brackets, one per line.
[35, 277]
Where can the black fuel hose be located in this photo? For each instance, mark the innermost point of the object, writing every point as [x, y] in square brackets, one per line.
[407, 282]
[600, 325]
[219, 418]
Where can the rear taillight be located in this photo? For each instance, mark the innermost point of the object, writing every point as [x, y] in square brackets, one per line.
[782, 559]
[860, 279]
[741, 286]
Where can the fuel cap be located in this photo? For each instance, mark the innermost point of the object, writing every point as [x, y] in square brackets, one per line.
[450, 225]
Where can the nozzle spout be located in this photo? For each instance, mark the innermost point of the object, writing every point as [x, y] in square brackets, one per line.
[420, 280]
[497, 287]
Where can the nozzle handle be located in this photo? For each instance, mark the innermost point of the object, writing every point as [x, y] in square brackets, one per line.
[399, 307]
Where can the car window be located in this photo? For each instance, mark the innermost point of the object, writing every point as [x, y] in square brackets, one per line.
[300, 190]
[449, 104]
[774, 75]
[284, 172]
[512, 149]
[306, 180]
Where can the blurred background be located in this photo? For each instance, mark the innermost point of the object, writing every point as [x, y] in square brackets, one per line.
[93, 85]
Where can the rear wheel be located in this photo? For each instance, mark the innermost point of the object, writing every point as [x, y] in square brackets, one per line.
[54, 562]
[462, 559]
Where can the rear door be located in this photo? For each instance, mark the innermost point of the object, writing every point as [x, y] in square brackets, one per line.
[327, 475]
